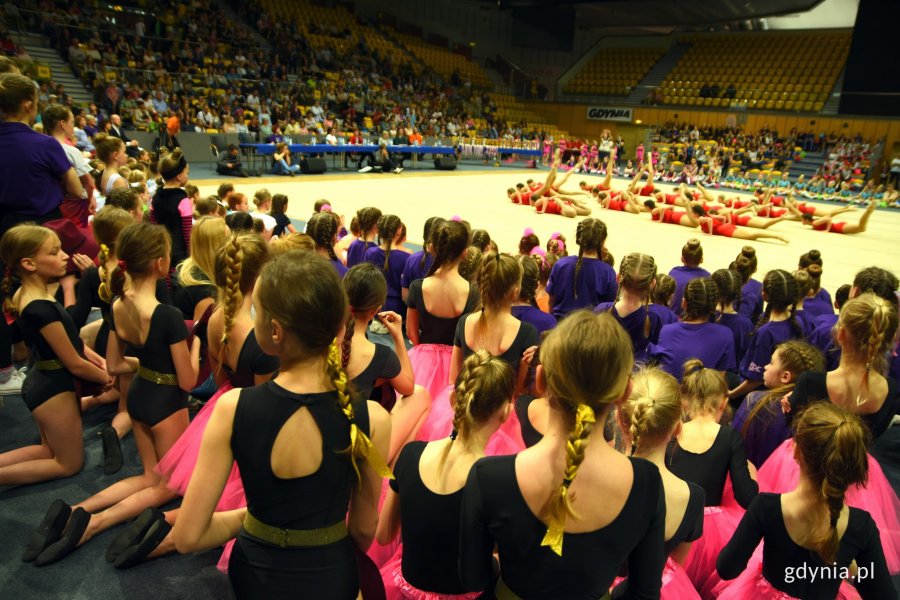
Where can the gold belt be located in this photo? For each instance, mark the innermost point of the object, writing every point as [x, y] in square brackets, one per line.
[294, 538]
[49, 365]
[157, 377]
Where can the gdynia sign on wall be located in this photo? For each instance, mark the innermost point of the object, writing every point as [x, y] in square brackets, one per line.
[609, 113]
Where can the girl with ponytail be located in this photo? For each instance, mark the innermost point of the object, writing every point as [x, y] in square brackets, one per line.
[367, 221]
[539, 507]
[311, 503]
[526, 308]
[584, 280]
[429, 481]
[636, 278]
[697, 336]
[812, 525]
[728, 289]
[435, 305]
[650, 418]
[33, 254]
[776, 325]
[707, 453]
[164, 368]
[418, 265]
[391, 262]
[865, 333]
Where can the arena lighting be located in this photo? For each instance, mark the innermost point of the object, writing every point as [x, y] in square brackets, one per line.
[637, 121]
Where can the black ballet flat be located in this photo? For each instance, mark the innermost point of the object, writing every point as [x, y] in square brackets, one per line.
[68, 542]
[133, 533]
[48, 531]
[112, 451]
[137, 554]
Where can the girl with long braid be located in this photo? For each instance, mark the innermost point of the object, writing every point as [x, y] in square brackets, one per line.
[367, 221]
[865, 332]
[650, 418]
[391, 263]
[637, 275]
[584, 280]
[33, 254]
[777, 324]
[429, 481]
[707, 453]
[308, 505]
[813, 524]
[539, 508]
[323, 228]
[166, 369]
[526, 308]
[697, 336]
[435, 305]
[728, 305]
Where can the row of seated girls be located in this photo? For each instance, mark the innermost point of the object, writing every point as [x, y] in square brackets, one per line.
[561, 406]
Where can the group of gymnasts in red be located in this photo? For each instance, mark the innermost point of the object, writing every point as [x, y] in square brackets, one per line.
[735, 217]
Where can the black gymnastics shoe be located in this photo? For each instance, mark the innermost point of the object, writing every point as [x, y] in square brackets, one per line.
[112, 451]
[133, 533]
[48, 531]
[137, 554]
[67, 543]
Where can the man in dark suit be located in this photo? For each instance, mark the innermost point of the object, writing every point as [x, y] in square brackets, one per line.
[116, 129]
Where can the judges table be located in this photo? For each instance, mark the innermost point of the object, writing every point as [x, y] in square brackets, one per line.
[263, 150]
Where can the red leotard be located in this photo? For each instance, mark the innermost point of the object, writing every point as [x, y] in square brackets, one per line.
[777, 200]
[603, 187]
[535, 187]
[723, 229]
[774, 213]
[552, 208]
[805, 208]
[616, 205]
[647, 190]
[737, 203]
[837, 227]
[672, 198]
[741, 220]
[673, 217]
[615, 193]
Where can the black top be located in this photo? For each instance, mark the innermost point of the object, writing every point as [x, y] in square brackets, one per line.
[525, 338]
[494, 512]
[165, 212]
[89, 296]
[281, 223]
[691, 527]
[530, 435]
[433, 329]
[708, 469]
[317, 500]
[251, 361]
[812, 386]
[166, 328]
[188, 297]
[782, 558]
[37, 315]
[430, 545]
[384, 365]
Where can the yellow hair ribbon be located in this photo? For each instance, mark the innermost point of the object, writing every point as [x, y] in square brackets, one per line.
[104, 248]
[361, 445]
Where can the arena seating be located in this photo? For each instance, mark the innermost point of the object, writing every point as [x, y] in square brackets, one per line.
[767, 71]
[442, 61]
[614, 71]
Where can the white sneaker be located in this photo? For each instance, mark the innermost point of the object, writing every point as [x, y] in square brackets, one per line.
[398, 170]
[365, 170]
[13, 385]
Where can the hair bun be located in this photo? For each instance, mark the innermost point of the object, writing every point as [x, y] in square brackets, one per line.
[748, 251]
[693, 243]
[815, 254]
[692, 365]
[528, 231]
[814, 270]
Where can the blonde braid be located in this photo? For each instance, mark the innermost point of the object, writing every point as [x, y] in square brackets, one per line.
[560, 504]
[103, 290]
[230, 297]
[637, 417]
[361, 448]
[876, 339]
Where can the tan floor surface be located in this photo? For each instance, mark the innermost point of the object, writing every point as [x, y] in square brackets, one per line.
[480, 198]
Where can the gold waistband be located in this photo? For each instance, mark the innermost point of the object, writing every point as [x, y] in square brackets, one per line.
[294, 538]
[49, 365]
[157, 377]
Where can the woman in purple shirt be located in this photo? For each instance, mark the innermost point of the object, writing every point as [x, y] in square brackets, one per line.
[691, 257]
[391, 262]
[585, 280]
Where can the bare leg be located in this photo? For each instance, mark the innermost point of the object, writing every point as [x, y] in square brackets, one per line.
[863, 221]
[764, 223]
[743, 234]
[122, 421]
[406, 418]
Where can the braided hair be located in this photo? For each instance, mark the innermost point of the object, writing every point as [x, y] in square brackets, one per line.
[637, 273]
[530, 274]
[780, 289]
[528, 242]
[367, 218]
[880, 282]
[449, 241]
[107, 224]
[664, 290]
[481, 238]
[700, 297]
[653, 409]
[323, 227]
[728, 289]
[590, 235]
[745, 263]
[870, 322]
[388, 225]
[431, 225]
[366, 290]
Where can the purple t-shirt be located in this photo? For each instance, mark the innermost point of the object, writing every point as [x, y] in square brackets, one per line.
[822, 338]
[529, 314]
[762, 345]
[396, 263]
[339, 267]
[682, 276]
[807, 320]
[820, 304]
[766, 431]
[356, 252]
[30, 172]
[414, 268]
[635, 325]
[710, 342]
[596, 284]
[751, 300]
[741, 327]
[664, 313]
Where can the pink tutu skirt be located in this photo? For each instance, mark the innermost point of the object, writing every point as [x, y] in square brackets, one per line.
[439, 424]
[378, 553]
[675, 583]
[779, 474]
[719, 524]
[397, 588]
[431, 366]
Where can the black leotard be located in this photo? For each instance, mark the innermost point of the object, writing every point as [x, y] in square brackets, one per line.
[384, 365]
[526, 337]
[251, 361]
[258, 569]
[494, 512]
[530, 435]
[782, 557]
[46, 380]
[434, 329]
[691, 526]
[152, 401]
[708, 469]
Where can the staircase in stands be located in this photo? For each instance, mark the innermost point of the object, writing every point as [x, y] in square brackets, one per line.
[657, 74]
[38, 47]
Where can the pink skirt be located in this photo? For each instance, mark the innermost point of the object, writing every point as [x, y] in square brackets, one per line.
[397, 588]
[379, 554]
[780, 472]
[751, 584]
[675, 583]
[431, 366]
[719, 524]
